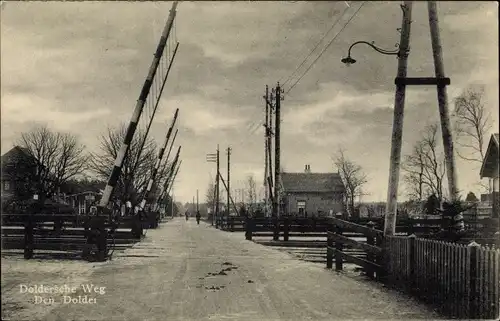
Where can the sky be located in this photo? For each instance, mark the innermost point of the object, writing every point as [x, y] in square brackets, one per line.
[79, 67]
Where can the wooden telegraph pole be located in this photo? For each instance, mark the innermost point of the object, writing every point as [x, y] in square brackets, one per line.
[266, 165]
[277, 152]
[397, 126]
[228, 180]
[214, 158]
[440, 81]
[217, 190]
[442, 95]
[269, 178]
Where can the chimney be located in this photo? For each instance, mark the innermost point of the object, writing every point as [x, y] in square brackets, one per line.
[308, 169]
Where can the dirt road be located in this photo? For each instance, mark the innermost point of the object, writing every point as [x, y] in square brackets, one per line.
[185, 271]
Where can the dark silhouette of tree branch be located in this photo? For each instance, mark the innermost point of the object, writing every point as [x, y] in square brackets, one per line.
[472, 123]
[59, 157]
[352, 176]
[130, 185]
[424, 167]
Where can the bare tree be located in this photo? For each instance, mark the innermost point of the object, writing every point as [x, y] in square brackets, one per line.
[424, 167]
[352, 176]
[59, 157]
[252, 193]
[472, 123]
[136, 170]
[414, 167]
[210, 195]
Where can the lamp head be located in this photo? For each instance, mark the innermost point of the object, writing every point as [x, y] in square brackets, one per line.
[348, 60]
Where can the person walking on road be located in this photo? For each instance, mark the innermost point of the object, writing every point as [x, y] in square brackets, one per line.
[198, 217]
[187, 215]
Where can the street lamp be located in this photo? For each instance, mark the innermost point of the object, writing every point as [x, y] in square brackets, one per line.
[349, 60]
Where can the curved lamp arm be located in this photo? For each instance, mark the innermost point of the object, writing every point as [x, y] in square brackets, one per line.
[350, 60]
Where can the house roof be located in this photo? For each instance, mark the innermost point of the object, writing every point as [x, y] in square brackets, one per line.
[15, 157]
[491, 159]
[311, 182]
[16, 152]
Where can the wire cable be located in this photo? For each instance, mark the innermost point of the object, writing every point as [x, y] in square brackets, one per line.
[316, 46]
[324, 49]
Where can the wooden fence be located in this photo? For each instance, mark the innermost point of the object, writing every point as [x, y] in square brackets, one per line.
[286, 227]
[67, 232]
[231, 223]
[461, 280]
[341, 238]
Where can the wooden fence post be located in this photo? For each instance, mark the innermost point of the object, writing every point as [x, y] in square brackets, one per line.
[382, 258]
[248, 228]
[28, 238]
[473, 281]
[276, 229]
[286, 228]
[370, 240]
[411, 229]
[338, 250]
[329, 250]
[410, 281]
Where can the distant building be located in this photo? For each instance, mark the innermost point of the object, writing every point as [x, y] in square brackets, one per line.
[18, 169]
[307, 194]
[490, 169]
[85, 202]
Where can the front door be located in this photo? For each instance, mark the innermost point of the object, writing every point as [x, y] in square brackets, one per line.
[301, 207]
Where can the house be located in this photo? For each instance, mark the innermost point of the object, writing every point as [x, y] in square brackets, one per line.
[84, 202]
[307, 194]
[18, 166]
[490, 169]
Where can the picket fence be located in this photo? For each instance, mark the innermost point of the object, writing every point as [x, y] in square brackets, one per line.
[461, 280]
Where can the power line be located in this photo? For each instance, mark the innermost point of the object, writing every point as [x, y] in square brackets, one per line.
[316, 46]
[327, 46]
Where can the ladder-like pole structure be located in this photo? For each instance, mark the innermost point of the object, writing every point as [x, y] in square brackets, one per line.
[165, 164]
[171, 182]
[150, 122]
[116, 171]
[171, 171]
[154, 173]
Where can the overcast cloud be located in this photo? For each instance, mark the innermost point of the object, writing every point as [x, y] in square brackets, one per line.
[79, 67]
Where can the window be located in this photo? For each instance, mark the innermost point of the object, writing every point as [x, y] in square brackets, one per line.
[6, 186]
[301, 207]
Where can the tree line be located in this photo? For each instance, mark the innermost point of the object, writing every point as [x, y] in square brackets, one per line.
[59, 162]
[423, 168]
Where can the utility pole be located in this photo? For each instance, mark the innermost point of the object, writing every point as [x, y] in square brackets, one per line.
[269, 178]
[437, 52]
[197, 204]
[228, 179]
[397, 126]
[277, 152]
[266, 135]
[217, 189]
